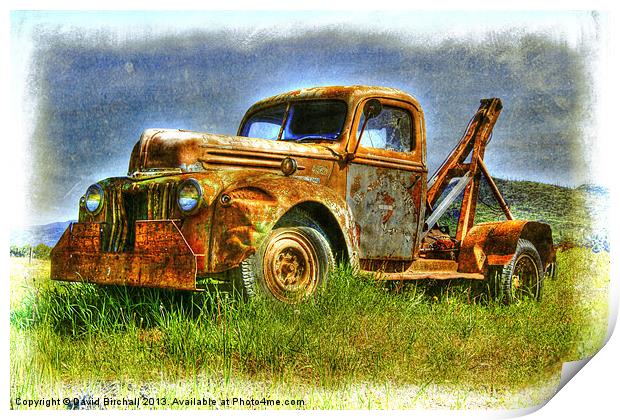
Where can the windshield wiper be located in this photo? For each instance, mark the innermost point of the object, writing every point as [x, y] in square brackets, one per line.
[311, 138]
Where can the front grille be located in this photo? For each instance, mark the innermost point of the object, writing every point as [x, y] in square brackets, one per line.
[115, 231]
[153, 201]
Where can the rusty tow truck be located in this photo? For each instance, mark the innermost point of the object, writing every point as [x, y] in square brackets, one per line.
[313, 176]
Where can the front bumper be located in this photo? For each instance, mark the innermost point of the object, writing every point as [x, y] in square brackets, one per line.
[161, 257]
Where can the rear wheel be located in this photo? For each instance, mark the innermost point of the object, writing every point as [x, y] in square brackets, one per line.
[522, 278]
[291, 264]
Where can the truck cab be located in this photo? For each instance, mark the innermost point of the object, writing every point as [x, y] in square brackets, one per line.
[313, 177]
[379, 174]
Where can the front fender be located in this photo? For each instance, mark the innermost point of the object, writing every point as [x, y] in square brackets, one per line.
[242, 222]
[494, 243]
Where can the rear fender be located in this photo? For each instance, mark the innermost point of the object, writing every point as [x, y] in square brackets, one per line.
[253, 206]
[494, 243]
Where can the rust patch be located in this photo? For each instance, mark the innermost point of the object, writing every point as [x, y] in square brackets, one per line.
[256, 204]
[494, 243]
[358, 231]
[161, 258]
[388, 202]
[355, 186]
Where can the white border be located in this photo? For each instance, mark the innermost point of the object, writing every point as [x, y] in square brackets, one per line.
[593, 392]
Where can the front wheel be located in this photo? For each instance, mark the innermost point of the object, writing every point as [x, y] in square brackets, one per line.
[522, 278]
[291, 264]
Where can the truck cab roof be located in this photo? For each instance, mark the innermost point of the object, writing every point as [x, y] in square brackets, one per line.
[350, 94]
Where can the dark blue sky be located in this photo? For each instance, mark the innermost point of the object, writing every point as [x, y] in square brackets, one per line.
[95, 93]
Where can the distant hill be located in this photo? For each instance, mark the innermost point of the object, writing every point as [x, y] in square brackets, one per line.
[39, 234]
[576, 215]
[594, 189]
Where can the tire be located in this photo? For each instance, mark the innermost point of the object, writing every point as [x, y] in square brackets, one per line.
[521, 279]
[291, 263]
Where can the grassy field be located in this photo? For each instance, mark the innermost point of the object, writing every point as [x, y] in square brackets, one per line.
[356, 345]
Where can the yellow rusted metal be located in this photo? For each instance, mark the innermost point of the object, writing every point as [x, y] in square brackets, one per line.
[368, 202]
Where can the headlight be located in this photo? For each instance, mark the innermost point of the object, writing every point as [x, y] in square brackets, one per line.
[189, 195]
[93, 199]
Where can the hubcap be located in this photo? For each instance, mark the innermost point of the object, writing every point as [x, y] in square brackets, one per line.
[291, 267]
[525, 280]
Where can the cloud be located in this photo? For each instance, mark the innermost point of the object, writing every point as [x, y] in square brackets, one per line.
[97, 92]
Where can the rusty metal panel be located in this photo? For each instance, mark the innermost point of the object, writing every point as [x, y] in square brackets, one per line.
[256, 202]
[161, 258]
[386, 210]
[494, 243]
[198, 152]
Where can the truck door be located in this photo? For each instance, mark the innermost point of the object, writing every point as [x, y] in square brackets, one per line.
[385, 184]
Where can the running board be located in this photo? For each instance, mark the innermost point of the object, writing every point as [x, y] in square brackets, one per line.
[428, 269]
[414, 276]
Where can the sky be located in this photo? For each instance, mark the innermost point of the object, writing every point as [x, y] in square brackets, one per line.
[85, 84]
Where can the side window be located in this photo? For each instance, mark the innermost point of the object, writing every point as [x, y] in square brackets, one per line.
[391, 130]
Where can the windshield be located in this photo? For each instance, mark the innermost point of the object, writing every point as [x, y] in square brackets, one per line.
[304, 121]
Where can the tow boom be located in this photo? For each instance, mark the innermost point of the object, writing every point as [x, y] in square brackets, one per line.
[473, 142]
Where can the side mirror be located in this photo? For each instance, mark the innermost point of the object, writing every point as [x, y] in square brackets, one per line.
[372, 109]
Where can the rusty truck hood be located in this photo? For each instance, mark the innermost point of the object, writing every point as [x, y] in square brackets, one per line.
[188, 151]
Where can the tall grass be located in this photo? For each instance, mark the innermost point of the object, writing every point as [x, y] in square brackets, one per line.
[355, 330]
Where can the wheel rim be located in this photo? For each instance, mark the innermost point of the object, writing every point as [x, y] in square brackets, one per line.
[291, 266]
[525, 278]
